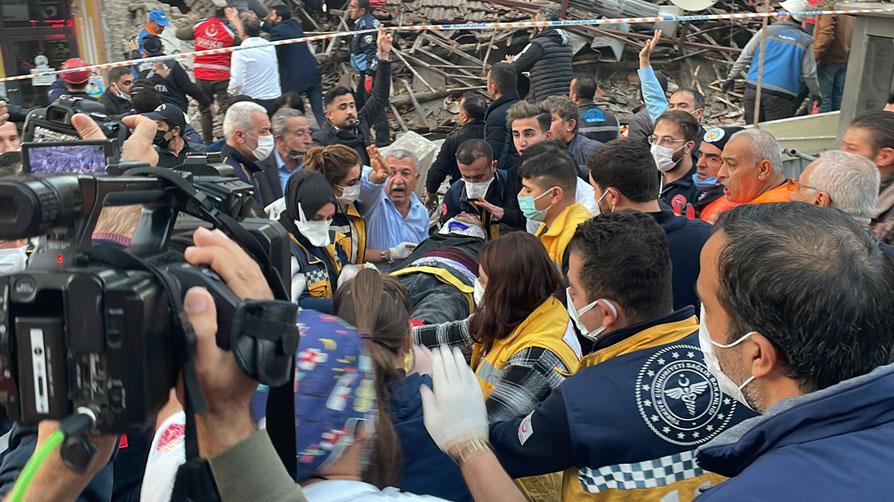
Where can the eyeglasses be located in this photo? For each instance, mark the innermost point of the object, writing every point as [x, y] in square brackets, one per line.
[664, 141]
[794, 185]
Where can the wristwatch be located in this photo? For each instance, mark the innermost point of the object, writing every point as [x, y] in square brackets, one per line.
[463, 451]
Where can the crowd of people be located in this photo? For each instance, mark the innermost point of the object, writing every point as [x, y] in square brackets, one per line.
[570, 311]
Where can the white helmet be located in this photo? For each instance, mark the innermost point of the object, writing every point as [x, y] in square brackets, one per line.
[792, 6]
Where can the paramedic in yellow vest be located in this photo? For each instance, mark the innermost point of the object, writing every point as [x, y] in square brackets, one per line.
[523, 344]
[316, 260]
[549, 180]
[342, 168]
[627, 425]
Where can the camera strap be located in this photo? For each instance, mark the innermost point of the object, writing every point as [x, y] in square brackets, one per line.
[199, 206]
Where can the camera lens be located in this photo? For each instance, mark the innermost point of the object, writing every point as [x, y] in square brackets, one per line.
[31, 206]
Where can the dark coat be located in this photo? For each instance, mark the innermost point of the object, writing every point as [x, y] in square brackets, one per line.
[499, 194]
[115, 105]
[426, 470]
[175, 87]
[445, 163]
[496, 130]
[833, 444]
[548, 58]
[685, 239]
[263, 176]
[298, 69]
[359, 138]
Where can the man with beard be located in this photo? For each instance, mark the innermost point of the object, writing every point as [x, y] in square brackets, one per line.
[623, 176]
[672, 143]
[291, 139]
[344, 124]
[298, 71]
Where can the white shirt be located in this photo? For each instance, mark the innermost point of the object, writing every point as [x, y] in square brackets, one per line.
[354, 491]
[255, 72]
[585, 196]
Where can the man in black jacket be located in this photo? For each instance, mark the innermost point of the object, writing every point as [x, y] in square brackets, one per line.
[344, 125]
[249, 140]
[471, 117]
[484, 193]
[548, 58]
[502, 86]
[624, 176]
[116, 99]
[298, 71]
[169, 78]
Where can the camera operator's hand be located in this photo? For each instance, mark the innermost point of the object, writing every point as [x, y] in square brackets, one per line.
[55, 481]
[226, 389]
[237, 269]
[137, 147]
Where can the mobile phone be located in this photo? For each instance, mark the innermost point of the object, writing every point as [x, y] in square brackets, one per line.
[80, 157]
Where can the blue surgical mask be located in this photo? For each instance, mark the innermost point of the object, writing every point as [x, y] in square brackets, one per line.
[528, 206]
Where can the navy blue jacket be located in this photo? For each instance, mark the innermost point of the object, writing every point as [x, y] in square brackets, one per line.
[830, 445]
[499, 194]
[298, 69]
[497, 132]
[426, 470]
[621, 421]
[685, 239]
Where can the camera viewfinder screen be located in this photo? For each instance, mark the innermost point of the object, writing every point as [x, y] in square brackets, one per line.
[58, 159]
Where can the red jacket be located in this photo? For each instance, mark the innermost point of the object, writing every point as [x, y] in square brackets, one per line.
[213, 33]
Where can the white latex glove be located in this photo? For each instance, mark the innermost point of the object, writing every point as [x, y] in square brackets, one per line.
[275, 208]
[422, 360]
[455, 411]
[401, 251]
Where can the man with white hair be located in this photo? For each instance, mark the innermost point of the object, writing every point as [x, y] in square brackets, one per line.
[249, 141]
[841, 180]
[395, 216]
[751, 173]
[292, 139]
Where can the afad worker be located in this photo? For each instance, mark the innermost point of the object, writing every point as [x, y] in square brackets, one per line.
[316, 260]
[751, 173]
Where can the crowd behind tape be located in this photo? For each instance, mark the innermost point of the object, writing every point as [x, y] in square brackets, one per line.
[465, 26]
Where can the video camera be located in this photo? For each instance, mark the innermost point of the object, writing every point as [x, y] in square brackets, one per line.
[90, 325]
[53, 123]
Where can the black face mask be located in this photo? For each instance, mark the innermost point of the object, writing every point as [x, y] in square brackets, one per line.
[160, 140]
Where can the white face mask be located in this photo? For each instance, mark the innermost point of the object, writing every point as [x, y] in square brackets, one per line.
[727, 386]
[264, 148]
[349, 194]
[577, 314]
[316, 232]
[478, 294]
[477, 191]
[664, 157]
[12, 261]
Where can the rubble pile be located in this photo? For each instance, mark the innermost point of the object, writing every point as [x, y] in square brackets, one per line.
[433, 69]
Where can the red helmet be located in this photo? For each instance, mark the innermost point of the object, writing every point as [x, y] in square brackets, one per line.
[76, 77]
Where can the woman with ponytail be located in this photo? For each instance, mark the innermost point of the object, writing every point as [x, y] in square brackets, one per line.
[403, 455]
[341, 166]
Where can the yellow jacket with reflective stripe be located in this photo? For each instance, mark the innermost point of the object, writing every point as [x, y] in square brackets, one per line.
[556, 237]
[547, 327]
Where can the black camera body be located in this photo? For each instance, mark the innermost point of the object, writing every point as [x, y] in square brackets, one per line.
[53, 123]
[89, 324]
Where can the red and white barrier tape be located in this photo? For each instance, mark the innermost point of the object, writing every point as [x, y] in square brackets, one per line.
[466, 26]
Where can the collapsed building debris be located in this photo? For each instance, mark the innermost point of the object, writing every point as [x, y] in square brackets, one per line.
[433, 68]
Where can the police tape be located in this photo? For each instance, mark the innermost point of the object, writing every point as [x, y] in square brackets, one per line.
[463, 26]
